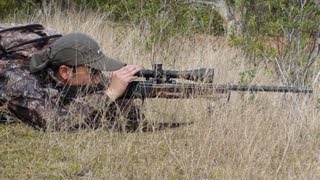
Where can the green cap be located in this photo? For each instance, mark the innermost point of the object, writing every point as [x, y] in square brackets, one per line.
[74, 49]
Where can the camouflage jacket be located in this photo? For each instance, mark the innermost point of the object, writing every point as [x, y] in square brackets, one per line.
[36, 100]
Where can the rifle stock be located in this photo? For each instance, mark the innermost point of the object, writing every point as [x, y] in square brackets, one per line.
[142, 89]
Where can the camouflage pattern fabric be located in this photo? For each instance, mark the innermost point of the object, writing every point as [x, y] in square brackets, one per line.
[15, 37]
[34, 99]
[36, 102]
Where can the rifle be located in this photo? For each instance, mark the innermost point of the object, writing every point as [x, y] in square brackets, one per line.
[159, 83]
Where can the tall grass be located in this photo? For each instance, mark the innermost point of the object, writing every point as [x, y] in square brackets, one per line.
[260, 135]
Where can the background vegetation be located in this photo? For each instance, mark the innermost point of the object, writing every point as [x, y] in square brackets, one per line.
[283, 34]
[161, 19]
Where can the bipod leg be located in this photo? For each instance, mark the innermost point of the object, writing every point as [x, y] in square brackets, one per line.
[211, 104]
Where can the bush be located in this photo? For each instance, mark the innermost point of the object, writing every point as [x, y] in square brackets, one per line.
[282, 33]
[161, 19]
[11, 7]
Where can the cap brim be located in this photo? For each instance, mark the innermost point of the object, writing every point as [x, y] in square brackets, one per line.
[104, 63]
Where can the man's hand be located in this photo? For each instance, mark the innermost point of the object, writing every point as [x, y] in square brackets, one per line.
[120, 80]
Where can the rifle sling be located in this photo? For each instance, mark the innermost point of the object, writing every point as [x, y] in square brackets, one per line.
[40, 42]
[29, 27]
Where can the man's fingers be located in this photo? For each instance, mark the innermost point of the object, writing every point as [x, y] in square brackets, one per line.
[134, 71]
[133, 68]
[128, 70]
[128, 67]
[120, 80]
[131, 78]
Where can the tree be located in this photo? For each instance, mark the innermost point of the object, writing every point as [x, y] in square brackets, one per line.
[283, 33]
[231, 16]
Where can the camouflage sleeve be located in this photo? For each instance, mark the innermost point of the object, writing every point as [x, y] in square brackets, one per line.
[42, 112]
[119, 115]
[39, 107]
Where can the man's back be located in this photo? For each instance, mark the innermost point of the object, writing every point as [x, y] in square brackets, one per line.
[18, 43]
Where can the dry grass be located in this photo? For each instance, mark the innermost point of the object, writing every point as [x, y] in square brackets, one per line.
[252, 136]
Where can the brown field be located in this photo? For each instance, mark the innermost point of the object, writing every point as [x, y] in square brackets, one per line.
[260, 135]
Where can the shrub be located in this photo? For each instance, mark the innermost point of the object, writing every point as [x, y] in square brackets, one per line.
[282, 33]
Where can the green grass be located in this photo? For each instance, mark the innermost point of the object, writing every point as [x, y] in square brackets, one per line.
[240, 139]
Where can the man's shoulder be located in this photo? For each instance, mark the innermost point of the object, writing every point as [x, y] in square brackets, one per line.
[18, 81]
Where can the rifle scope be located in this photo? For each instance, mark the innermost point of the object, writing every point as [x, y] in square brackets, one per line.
[157, 72]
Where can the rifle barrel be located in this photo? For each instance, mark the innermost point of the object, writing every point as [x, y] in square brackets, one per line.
[146, 89]
[267, 88]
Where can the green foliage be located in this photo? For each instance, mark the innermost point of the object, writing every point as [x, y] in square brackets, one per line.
[282, 32]
[159, 19]
[163, 19]
[5, 5]
[247, 76]
[10, 7]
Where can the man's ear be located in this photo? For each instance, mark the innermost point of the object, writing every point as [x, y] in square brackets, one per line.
[65, 72]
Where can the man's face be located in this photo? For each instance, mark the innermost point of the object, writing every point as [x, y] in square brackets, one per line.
[79, 76]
